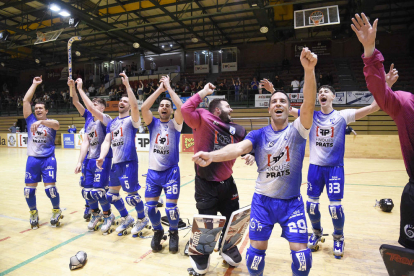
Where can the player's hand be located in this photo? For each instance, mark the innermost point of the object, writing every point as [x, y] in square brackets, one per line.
[71, 83]
[308, 59]
[99, 162]
[35, 125]
[125, 80]
[202, 158]
[78, 168]
[266, 84]
[209, 88]
[37, 80]
[392, 76]
[365, 32]
[79, 83]
[166, 81]
[249, 159]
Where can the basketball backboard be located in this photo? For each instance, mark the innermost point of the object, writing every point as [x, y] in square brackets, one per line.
[47, 37]
[317, 17]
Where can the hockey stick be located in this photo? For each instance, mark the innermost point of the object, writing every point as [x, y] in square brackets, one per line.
[71, 40]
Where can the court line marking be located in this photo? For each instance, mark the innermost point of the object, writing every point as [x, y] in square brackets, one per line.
[7, 271]
[5, 239]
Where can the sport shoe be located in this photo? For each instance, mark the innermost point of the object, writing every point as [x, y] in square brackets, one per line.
[126, 222]
[34, 219]
[56, 216]
[174, 240]
[141, 223]
[156, 240]
[338, 246]
[107, 223]
[96, 218]
[316, 237]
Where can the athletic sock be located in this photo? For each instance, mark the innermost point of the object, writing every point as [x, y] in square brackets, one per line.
[173, 215]
[52, 193]
[153, 214]
[30, 195]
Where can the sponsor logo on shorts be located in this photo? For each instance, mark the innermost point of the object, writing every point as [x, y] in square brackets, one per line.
[255, 225]
[235, 196]
[409, 231]
[28, 175]
[49, 168]
[256, 261]
[297, 213]
[171, 181]
[175, 171]
[397, 258]
[309, 186]
[302, 261]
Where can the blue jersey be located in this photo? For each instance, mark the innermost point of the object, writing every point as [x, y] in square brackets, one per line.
[41, 143]
[123, 132]
[95, 132]
[327, 137]
[279, 158]
[164, 144]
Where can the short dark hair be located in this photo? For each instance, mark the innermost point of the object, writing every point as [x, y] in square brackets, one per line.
[168, 99]
[279, 91]
[327, 87]
[44, 104]
[215, 103]
[100, 101]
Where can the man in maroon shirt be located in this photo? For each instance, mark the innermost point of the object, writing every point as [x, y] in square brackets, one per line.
[215, 189]
[400, 106]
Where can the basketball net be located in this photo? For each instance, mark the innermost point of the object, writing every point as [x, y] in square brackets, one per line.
[41, 36]
[316, 17]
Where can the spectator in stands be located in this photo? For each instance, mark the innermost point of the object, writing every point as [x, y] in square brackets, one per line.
[254, 85]
[70, 130]
[91, 90]
[101, 90]
[286, 65]
[102, 78]
[13, 128]
[147, 91]
[200, 86]
[278, 83]
[193, 87]
[350, 130]
[222, 88]
[46, 98]
[140, 90]
[111, 95]
[236, 89]
[73, 129]
[295, 84]
[322, 80]
[178, 89]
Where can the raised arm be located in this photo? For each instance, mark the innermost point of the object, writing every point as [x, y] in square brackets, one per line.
[145, 108]
[89, 104]
[132, 99]
[176, 100]
[229, 152]
[27, 108]
[308, 60]
[82, 154]
[48, 123]
[189, 108]
[75, 98]
[364, 111]
[392, 76]
[104, 150]
[374, 68]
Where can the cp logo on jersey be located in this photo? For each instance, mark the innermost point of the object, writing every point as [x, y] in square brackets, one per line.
[325, 132]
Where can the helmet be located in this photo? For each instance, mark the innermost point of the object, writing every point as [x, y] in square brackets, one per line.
[386, 204]
[78, 261]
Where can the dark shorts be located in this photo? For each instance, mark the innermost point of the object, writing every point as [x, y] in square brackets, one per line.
[213, 197]
[407, 216]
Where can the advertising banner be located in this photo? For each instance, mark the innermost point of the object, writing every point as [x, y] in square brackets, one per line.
[261, 100]
[142, 142]
[199, 69]
[68, 140]
[3, 139]
[78, 140]
[229, 66]
[22, 140]
[187, 142]
[12, 140]
[206, 101]
[359, 97]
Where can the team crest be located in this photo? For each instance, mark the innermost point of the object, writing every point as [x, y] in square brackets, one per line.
[271, 144]
[332, 121]
[232, 130]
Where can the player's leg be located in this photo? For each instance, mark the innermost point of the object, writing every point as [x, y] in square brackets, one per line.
[260, 229]
[295, 230]
[316, 183]
[49, 168]
[228, 203]
[172, 193]
[406, 238]
[335, 189]
[87, 212]
[32, 177]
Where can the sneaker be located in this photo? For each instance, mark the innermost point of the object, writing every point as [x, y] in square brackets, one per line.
[96, 218]
[156, 240]
[56, 216]
[174, 240]
[126, 222]
[141, 223]
[107, 223]
[316, 237]
[339, 246]
[34, 219]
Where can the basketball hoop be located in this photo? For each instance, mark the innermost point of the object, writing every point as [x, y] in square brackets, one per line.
[316, 17]
[41, 36]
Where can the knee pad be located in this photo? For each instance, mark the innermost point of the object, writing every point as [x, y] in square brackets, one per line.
[255, 261]
[87, 193]
[172, 211]
[133, 200]
[29, 192]
[301, 262]
[336, 210]
[98, 194]
[112, 198]
[312, 207]
[51, 191]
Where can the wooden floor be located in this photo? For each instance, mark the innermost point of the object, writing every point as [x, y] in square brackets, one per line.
[47, 251]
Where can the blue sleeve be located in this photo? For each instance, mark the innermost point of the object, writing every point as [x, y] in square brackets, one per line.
[30, 120]
[154, 122]
[87, 114]
[253, 137]
[298, 112]
[108, 127]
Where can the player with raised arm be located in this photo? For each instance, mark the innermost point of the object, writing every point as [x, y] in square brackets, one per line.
[96, 180]
[124, 173]
[326, 168]
[163, 170]
[215, 189]
[279, 151]
[41, 161]
[400, 106]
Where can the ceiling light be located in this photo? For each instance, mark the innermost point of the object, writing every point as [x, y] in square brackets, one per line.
[78, 53]
[220, 51]
[264, 29]
[112, 62]
[37, 61]
[171, 45]
[2, 64]
[121, 61]
[194, 39]
[4, 35]
[54, 7]
[254, 5]
[162, 46]
[64, 13]
[135, 45]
